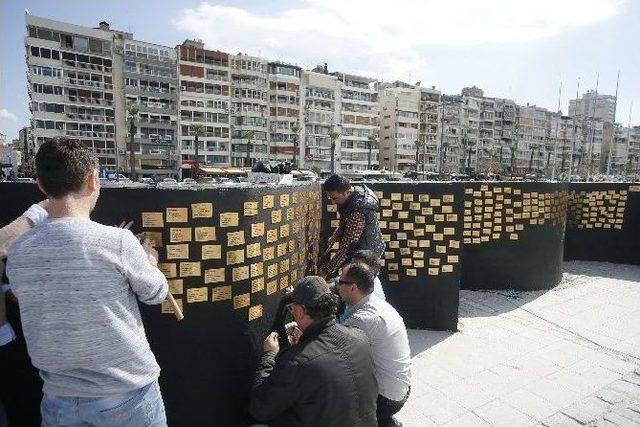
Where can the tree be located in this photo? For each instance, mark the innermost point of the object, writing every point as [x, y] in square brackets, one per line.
[333, 135]
[197, 131]
[132, 116]
[371, 143]
[419, 144]
[295, 128]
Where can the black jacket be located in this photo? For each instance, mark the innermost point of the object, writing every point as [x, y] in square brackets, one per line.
[364, 200]
[325, 380]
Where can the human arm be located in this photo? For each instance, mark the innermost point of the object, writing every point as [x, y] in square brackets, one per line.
[30, 218]
[353, 229]
[7, 334]
[139, 267]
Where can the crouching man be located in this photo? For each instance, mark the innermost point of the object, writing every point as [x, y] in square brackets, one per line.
[325, 379]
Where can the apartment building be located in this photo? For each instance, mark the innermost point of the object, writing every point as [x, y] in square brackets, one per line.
[205, 105]
[249, 114]
[429, 130]
[358, 104]
[284, 112]
[71, 85]
[320, 124]
[399, 126]
[592, 104]
[150, 90]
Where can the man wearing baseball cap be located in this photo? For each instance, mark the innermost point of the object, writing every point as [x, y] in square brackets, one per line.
[327, 378]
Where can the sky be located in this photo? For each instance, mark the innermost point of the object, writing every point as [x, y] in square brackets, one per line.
[522, 50]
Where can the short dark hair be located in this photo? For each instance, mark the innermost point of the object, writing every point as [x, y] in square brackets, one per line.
[360, 274]
[326, 305]
[368, 257]
[62, 166]
[337, 183]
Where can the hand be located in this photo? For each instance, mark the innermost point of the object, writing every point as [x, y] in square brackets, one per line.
[152, 254]
[294, 335]
[271, 343]
[126, 225]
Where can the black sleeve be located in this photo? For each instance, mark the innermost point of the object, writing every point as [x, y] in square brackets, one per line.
[274, 388]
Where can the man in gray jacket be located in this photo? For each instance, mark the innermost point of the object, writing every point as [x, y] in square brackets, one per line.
[77, 284]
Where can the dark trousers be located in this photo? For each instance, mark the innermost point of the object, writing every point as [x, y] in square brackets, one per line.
[387, 408]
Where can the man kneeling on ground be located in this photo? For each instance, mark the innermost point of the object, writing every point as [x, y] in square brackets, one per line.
[325, 379]
[388, 337]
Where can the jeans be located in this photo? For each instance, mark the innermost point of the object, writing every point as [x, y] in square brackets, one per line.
[140, 407]
[387, 408]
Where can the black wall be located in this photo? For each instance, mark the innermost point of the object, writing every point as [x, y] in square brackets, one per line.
[207, 359]
[425, 295]
[604, 223]
[513, 235]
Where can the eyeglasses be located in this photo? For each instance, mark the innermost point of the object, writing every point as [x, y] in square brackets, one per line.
[344, 282]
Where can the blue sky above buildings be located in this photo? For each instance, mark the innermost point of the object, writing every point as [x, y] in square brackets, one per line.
[512, 49]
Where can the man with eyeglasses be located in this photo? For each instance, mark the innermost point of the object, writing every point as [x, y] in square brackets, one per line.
[325, 379]
[387, 335]
[358, 229]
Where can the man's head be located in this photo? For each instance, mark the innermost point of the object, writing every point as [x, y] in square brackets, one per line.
[370, 258]
[67, 168]
[356, 281]
[312, 301]
[338, 189]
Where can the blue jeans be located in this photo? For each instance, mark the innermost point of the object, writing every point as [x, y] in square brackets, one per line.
[140, 407]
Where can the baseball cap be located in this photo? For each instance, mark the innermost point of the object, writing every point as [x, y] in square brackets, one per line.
[309, 290]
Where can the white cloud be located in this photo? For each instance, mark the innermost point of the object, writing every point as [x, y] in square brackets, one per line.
[375, 37]
[7, 115]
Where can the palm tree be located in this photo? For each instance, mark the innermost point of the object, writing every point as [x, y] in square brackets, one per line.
[249, 136]
[418, 145]
[371, 143]
[132, 115]
[295, 128]
[333, 135]
[197, 131]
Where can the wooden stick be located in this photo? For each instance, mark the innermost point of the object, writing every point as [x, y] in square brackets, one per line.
[176, 308]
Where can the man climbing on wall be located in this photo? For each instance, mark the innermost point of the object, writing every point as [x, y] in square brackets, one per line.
[358, 229]
[78, 284]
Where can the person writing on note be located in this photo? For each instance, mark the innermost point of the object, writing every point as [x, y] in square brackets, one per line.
[77, 283]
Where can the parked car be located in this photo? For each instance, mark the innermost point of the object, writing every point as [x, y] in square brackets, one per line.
[147, 181]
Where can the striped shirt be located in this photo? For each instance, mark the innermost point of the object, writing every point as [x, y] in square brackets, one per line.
[77, 284]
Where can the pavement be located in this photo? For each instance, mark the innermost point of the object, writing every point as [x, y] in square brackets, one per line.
[569, 356]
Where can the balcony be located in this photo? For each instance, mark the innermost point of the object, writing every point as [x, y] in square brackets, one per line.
[89, 134]
[84, 83]
[91, 101]
[90, 117]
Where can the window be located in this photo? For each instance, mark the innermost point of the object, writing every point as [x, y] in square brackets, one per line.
[81, 44]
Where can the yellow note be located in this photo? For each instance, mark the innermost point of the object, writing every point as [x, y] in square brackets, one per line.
[189, 269]
[434, 202]
[253, 250]
[434, 261]
[272, 235]
[335, 223]
[284, 282]
[175, 286]
[276, 216]
[284, 200]
[284, 266]
[214, 275]
[250, 208]
[452, 259]
[235, 257]
[448, 198]
[272, 286]
[229, 219]
[177, 215]
[268, 253]
[407, 197]
[334, 208]
[205, 234]
[168, 269]
[434, 271]
[257, 269]
[167, 308]
[282, 249]
[178, 251]
[406, 262]
[257, 285]
[197, 294]
[396, 196]
[152, 220]
[257, 229]
[221, 293]
[272, 270]
[430, 228]
[255, 312]
[267, 201]
[240, 273]
[211, 251]
[235, 238]
[394, 277]
[447, 268]
[241, 301]
[449, 231]
[418, 263]
[155, 237]
[177, 235]
[441, 249]
[202, 210]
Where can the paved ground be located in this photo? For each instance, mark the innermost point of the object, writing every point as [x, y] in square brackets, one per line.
[565, 357]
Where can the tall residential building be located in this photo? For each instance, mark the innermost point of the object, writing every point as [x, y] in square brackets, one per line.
[249, 114]
[594, 105]
[320, 119]
[429, 130]
[149, 74]
[359, 122]
[205, 105]
[399, 126]
[71, 87]
[532, 130]
[284, 112]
